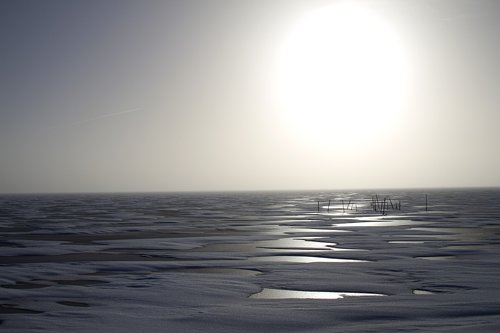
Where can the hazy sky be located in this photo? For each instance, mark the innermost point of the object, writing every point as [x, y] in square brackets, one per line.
[218, 95]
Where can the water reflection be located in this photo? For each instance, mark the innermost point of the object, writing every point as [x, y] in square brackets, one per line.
[288, 244]
[437, 257]
[406, 242]
[314, 230]
[303, 259]
[296, 243]
[422, 292]
[392, 223]
[268, 293]
[462, 234]
[485, 247]
[231, 271]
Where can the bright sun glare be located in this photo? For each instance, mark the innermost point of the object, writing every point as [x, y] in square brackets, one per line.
[342, 74]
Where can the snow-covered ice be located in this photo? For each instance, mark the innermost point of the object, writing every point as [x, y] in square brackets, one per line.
[250, 262]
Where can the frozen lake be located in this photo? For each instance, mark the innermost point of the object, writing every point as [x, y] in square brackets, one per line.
[251, 262]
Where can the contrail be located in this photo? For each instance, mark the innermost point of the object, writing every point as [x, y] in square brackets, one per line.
[107, 115]
[85, 121]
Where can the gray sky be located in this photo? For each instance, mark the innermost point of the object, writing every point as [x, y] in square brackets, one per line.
[185, 95]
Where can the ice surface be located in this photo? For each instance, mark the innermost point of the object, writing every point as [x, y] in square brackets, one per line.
[191, 262]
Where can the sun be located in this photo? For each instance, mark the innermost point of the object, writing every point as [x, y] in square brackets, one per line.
[342, 73]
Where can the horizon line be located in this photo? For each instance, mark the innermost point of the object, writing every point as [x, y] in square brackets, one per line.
[261, 190]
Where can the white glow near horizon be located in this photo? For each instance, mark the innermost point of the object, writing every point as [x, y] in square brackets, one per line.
[342, 74]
